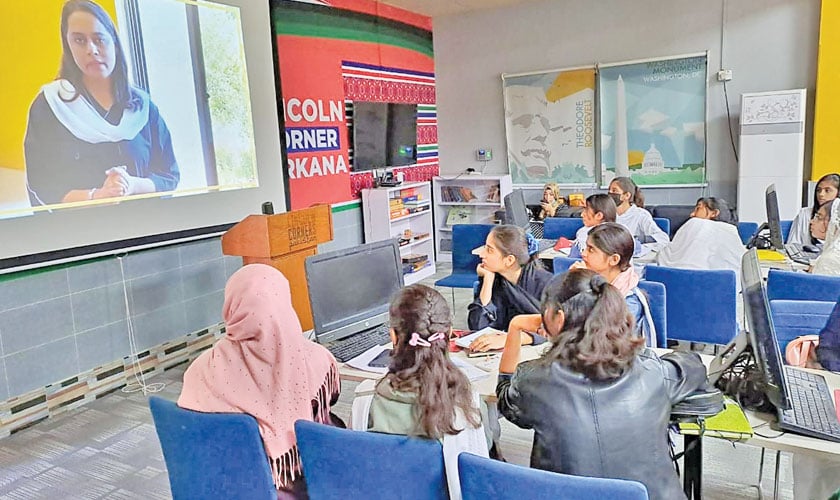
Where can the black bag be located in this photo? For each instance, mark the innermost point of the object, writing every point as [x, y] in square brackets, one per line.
[704, 402]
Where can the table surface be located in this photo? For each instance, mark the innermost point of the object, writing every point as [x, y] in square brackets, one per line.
[770, 437]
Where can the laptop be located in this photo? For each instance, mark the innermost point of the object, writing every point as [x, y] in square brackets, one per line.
[803, 401]
[795, 251]
[350, 291]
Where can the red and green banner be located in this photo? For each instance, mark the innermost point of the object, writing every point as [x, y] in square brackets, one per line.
[336, 51]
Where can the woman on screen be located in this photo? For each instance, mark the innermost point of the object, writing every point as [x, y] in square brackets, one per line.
[827, 189]
[264, 366]
[598, 401]
[90, 134]
[510, 282]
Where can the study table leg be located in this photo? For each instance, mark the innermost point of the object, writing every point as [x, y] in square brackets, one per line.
[693, 465]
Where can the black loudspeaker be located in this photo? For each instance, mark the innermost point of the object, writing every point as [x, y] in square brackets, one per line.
[268, 208]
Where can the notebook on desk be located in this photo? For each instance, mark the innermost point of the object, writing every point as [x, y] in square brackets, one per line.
[350, 291]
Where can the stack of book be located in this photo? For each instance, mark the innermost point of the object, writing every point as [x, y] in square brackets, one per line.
[457, 194]
[407, 201]
[414, 262]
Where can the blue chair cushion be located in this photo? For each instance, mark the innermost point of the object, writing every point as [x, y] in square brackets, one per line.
[458, 280]
[483, 478]
[802, 286]
[556, 227]
[793, 318]
[212, 455]
[341, 463]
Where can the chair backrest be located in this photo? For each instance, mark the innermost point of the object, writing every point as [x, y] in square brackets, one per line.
[657, 300]
[802, 286]
[483, 478]
[663, 224]
[340, 463]
[677, 215]
[562, 264]
[701, 304]
[746, 230]
[566, 227]
[792, 318]
[212, 455]
[465, 239]
[785, 226]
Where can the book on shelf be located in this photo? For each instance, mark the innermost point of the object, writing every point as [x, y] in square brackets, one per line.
[493, 194]
[457, 194]
[458, 215]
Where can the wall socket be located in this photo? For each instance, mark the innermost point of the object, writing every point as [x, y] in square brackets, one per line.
[724, 75]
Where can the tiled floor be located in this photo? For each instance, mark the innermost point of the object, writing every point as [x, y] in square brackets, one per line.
[109, 449]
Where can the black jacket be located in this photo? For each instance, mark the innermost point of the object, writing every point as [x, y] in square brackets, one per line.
[509, 300]
[612, 429]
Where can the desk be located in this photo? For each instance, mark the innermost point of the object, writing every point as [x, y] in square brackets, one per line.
[693, 464]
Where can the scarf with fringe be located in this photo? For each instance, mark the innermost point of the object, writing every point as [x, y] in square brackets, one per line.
[264, 367]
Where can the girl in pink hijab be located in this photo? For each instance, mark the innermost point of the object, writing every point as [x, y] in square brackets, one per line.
[265, 367]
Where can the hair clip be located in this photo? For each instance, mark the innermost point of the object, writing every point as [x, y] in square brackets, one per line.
[416, 339]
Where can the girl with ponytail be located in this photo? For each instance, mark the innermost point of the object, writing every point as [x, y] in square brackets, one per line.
[598, 400]
[630, 203]
[424, 394]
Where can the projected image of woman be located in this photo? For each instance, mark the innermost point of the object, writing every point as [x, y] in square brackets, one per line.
[91, 135]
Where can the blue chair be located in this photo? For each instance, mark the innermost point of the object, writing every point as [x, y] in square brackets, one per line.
[212, 455]
[746, 230]
[341, 463]
[785, 225]
[701, 304]
[465, 239]
[664, 224]
[565, 227]
[657, 300]
[483, 478]
[802, 286]
[792, 318]
[562, 264]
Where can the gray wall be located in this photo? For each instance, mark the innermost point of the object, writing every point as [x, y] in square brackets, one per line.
[769, 45]
[61, 321]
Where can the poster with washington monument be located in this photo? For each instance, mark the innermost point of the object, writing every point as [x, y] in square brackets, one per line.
[653, 121]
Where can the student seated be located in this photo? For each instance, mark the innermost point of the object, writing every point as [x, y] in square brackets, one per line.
[550, 202]
[800, 230]
[598, 401]
[708, 240]
[609, 252]
[424, 394]
[826, 226]
[631, 214]
[510, 282]
[265, 367]
[599, 208]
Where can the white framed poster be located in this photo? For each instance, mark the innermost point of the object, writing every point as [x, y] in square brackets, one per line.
[653, 120]
[550, 126]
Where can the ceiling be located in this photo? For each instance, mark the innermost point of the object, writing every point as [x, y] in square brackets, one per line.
[436, 8]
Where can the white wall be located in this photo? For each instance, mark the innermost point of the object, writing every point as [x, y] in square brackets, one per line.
[768, 44]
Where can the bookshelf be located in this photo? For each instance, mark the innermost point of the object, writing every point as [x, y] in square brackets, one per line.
[466, 199]
[403, 212]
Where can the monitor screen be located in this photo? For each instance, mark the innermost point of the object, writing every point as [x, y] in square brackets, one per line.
[350, 289]
[384, 134]
[762, 332]
[771, 202]
[516, 212]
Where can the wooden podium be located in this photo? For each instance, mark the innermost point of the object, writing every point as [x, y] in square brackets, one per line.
[283, 241]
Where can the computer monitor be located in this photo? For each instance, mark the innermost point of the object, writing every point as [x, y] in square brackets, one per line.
[516, 212]
[350, 289]
[762, 332]
[771, 205]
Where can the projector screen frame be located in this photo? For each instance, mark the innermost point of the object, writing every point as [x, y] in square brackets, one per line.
[135, 224]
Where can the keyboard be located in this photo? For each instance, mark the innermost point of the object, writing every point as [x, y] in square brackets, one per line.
[349, 347]
[797, 254]
[812, 410]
